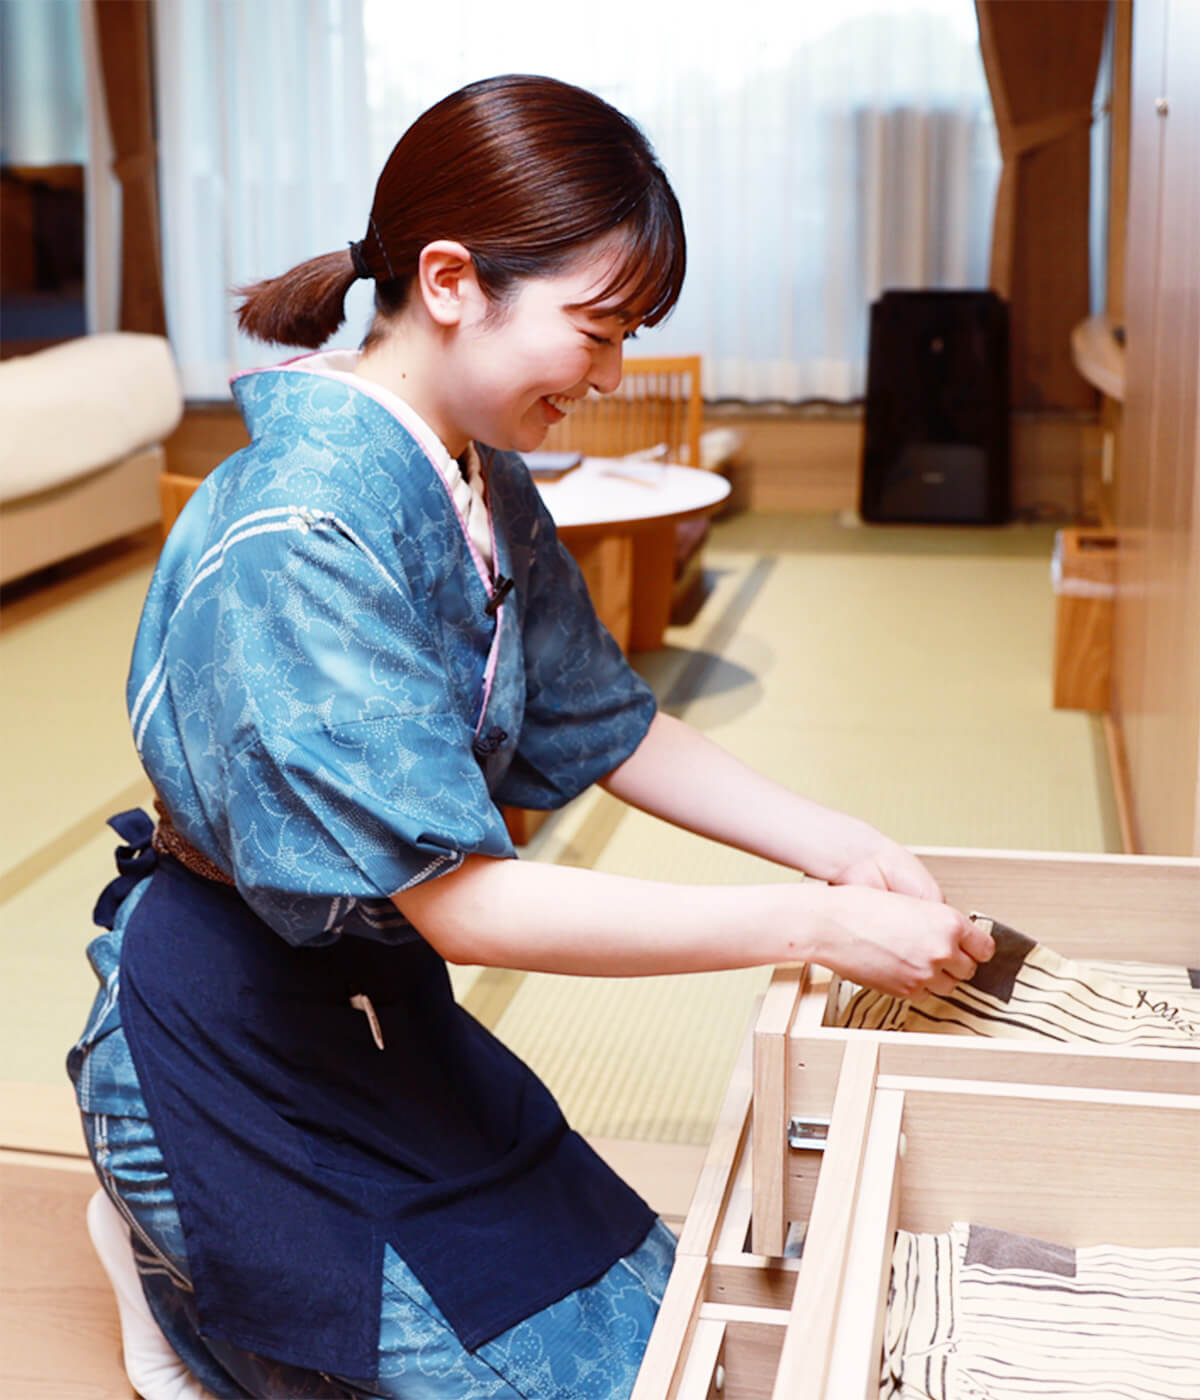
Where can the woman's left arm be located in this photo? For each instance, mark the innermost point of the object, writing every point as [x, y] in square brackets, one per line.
[676, 773]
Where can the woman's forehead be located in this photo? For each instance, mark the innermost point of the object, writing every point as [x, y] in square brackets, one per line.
[599, 267]
[606, 281]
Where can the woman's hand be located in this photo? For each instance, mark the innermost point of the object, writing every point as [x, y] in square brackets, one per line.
[897, 943]
[882, 864]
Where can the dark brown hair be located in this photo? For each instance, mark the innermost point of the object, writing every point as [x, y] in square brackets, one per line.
[522, 171]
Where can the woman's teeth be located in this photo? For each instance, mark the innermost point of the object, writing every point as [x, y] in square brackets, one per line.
[562, 402]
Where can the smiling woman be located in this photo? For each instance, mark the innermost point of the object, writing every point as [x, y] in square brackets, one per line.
[363, 639]
[394, 645]
[566, 235]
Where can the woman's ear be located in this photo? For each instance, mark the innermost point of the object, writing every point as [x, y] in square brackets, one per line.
[448, 284]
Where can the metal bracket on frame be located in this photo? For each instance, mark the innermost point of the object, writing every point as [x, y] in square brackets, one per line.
[808, 1134]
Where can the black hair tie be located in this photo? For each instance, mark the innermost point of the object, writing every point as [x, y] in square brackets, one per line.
[358, 256]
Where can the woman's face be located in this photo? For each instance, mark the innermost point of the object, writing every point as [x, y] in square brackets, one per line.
[528, 363]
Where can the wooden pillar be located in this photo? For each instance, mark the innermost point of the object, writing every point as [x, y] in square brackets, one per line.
[1118, 163]
[123, 36]
[1041, 62]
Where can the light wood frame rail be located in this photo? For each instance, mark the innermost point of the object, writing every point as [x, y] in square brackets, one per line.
[914, 1152]
[1033, 1159]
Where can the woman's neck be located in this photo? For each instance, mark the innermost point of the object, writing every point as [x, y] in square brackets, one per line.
[402, 363]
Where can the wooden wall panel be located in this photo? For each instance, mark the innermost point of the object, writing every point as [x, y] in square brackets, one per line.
[1156, 695]
[797, 461]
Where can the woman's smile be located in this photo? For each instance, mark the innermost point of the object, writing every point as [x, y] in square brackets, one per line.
[560, 406]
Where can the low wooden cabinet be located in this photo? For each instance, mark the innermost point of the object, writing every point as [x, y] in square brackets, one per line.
[1075, 1144]
[1098, 907]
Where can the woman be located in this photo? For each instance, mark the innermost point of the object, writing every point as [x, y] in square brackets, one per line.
[362, 638]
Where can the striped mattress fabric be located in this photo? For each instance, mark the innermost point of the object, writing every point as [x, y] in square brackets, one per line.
[1028, 990]
[982, 1314]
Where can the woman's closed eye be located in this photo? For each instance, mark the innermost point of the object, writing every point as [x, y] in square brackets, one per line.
[609, 339]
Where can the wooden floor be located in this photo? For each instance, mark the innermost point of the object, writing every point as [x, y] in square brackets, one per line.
[59, 1336]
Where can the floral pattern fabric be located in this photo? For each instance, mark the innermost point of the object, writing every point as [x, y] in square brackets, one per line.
[319, 692]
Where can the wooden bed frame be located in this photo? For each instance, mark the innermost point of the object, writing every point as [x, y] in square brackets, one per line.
[742, 1322]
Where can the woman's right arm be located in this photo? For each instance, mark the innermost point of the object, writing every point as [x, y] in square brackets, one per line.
[547, 918]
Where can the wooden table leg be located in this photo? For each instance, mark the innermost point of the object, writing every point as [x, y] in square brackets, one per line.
[653, 578]
[607, 565]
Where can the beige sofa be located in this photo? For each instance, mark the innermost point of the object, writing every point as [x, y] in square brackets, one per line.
[81, 432]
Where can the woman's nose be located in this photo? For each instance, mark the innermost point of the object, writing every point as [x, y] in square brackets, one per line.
[606, 368]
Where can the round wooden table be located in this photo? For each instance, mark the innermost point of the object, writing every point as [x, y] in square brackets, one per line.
[618, 518]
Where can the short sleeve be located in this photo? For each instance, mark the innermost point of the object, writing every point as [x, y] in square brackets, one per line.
[352, 776]
[586, 709]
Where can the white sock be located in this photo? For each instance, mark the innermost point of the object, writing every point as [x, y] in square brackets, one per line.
[153, 1368]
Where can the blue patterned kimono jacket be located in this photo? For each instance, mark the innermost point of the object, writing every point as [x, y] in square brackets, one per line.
[331, 707]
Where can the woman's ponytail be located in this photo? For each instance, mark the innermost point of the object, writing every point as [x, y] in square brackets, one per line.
[303, 306]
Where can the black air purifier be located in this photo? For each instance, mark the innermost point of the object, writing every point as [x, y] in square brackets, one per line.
[935, 440]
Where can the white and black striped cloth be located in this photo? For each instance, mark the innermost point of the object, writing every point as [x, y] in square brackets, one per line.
[981, 1314]
[1029, 990]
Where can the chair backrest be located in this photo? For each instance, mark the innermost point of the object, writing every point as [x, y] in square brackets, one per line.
[658, 403]
[175, 491]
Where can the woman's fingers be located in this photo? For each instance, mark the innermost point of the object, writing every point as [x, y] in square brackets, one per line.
[942, 983]
[959, 966]
[978, 942]
[973, 946]
[904, 945]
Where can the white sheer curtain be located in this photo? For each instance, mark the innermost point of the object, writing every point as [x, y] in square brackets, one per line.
[263, 162]
[42, 117]
[822, 150]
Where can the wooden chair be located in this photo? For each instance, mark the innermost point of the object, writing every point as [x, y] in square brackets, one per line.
[657, 404]
[175, 491]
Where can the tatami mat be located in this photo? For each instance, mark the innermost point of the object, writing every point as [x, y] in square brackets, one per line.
[48, 982]
[900, 674]
[644, 1058]
[68, 749]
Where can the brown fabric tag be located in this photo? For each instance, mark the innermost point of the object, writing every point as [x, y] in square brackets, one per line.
[1000, 1249]
[998, 976]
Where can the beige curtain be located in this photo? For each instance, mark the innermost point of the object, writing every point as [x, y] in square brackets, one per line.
[123, 38]
[1041, 62]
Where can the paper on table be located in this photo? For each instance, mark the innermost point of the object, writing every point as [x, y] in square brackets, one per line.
[645, 467]
[549, 466]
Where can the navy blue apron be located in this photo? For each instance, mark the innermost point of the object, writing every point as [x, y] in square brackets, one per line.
[296, 1148]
